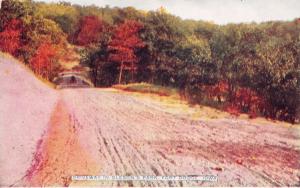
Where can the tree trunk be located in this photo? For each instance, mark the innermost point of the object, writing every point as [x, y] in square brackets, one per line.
[120, 74]
[94, 75]
[132, 72]
[231, 91]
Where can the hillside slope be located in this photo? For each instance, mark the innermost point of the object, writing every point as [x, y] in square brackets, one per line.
[25, 107]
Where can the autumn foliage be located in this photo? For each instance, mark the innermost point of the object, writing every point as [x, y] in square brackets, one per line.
[246, 101]
[10, 37]
[124, 44]
[242, 68]
[30, 37]
[90, 29]
[217, 91]
[42, 62]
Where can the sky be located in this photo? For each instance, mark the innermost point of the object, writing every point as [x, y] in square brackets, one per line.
[217, 11]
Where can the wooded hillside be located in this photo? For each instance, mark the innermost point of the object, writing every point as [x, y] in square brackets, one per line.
[252, 68]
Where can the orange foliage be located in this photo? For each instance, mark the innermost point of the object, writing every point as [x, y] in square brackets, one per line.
[42, 62]
[10, 37]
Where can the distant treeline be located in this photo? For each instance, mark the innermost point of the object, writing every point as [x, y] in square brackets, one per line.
[252, 68]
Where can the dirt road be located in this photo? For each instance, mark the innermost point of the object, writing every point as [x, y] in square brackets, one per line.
[100, 132]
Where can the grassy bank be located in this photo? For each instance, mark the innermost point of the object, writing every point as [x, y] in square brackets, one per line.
[149, 88]
[171, 101]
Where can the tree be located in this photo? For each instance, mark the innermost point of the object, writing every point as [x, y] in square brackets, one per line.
[37, 30]
[129, 13]
[102, 72]
[162, 35]
[43, 61]
[63, 13]
[10, 40]
[30, 37]
[196, 68]
[277, 77]
[89, 30]
[14, 9]
[124, 44]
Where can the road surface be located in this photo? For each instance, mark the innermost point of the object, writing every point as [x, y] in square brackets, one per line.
[99, 132]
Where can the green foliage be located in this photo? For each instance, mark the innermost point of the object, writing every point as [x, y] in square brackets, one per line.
[162, 35]
[278, 75]
[38, 30]
[265, 59]
[65, 15]
[14, 9]
[103, 73]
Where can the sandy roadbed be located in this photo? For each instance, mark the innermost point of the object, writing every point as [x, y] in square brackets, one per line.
[129, 136]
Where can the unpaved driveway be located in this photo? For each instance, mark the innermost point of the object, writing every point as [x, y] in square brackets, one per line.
[99, 132]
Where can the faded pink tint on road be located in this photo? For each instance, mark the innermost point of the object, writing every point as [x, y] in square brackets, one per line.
[25, 107]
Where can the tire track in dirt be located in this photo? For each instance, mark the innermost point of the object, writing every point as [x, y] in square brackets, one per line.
[127, 159]
[59, 154]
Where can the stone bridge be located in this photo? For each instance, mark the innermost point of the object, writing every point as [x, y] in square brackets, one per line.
[72, 80]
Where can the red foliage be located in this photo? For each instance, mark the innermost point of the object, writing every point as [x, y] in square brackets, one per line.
[42, 62]
[124, 44]
[10, 37]
[90, 29]
[125, 41]
[217, 91]
[233, 110]
[246, 100]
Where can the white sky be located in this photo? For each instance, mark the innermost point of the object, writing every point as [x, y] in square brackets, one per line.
[218, 11]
